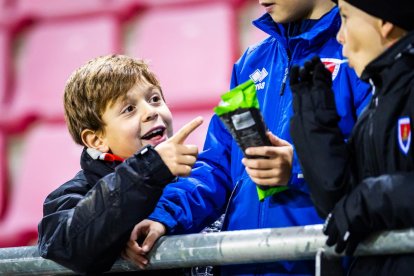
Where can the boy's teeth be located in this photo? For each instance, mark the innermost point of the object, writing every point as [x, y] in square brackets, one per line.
[153, 133]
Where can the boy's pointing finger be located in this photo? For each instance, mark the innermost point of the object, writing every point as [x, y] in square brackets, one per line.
[186, 130]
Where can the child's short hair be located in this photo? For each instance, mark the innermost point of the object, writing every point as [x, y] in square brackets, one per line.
[97, 85]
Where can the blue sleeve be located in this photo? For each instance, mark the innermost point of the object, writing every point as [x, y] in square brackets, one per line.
[361, 94]
[193, 202]
[234, 81]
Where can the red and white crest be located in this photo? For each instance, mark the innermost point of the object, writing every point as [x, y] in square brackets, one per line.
[404, 134]
[333, 65]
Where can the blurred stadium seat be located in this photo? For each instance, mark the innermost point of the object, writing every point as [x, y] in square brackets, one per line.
[180, 118]
[154, 3]
[43, 9]
[248, 33]
[49, 51]
[191, 49]
[49, 158]
[4, 85]
[4, 64]
[3, 175]
[4, 7]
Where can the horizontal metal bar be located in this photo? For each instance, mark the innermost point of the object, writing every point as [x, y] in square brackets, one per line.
[223, 248]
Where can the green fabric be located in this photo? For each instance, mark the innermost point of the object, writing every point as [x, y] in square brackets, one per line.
[262, 194]
[242, 96]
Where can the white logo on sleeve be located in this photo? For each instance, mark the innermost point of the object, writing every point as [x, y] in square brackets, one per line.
[257, 77]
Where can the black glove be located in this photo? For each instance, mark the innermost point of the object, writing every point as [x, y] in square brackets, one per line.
[376, 204]
[300, 84]
[344, 231]
[311, 86]
[318, 141]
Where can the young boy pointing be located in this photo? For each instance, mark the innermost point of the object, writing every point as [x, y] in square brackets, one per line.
[115, 108]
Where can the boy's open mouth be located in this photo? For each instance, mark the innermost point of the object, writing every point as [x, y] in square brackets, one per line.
[156, 132]
[266, 4]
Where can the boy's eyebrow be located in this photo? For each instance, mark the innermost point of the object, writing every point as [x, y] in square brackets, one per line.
[126, 97]
[154, 87]
[122, 100]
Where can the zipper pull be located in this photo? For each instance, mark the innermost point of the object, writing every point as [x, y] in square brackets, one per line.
[284, 80]
[373, 92]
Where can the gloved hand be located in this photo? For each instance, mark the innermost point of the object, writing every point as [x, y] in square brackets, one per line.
[300, 84]
[343, 230]
[316, 135]
[311, 86]
[375, 204]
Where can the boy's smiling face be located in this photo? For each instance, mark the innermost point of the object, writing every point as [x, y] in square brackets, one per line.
[141, 118]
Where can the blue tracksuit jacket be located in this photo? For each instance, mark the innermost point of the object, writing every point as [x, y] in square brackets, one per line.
[219, 182]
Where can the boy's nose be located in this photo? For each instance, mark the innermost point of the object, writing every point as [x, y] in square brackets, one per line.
[150, 113]
[340, 37]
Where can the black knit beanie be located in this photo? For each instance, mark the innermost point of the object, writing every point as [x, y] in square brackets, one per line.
[398, 12]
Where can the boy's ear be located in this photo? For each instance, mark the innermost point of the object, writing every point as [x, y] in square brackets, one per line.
[386, 29]
[92, 139]
[391, 33]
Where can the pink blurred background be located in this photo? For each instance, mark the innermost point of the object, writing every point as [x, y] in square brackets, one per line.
[190, 44]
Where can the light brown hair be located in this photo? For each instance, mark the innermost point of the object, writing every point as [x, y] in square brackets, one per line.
[97, 85]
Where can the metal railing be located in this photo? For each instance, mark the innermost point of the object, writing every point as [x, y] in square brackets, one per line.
[223, 248]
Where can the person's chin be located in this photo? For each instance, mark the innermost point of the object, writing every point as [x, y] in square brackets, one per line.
[278, 19]
[356, 68]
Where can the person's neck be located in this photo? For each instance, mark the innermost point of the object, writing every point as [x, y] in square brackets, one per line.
[298, 27]
[321, 8]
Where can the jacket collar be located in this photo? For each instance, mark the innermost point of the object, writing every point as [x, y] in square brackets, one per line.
[94, 167]
[326, 26]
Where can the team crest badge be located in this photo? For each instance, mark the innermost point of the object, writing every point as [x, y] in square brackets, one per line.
[404, 134]
[333, 65]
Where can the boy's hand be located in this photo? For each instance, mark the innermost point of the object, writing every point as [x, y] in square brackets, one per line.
[311, 87]
[275, 168]
[148, 232]
[179, 157]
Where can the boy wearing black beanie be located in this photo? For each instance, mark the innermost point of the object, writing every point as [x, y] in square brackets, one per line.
[371, 188]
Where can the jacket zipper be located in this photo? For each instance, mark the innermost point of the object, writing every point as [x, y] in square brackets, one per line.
[370, 125]
[284, 80]
[286, 74]
[228, 205]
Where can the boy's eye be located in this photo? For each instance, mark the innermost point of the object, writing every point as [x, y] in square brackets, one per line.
[155, 99]
[128, 109]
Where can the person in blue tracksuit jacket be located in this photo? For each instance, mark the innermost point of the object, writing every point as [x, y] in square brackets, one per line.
[220, 182]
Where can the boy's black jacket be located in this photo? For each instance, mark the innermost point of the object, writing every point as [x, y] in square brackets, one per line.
[88, 220]
[367, 183]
